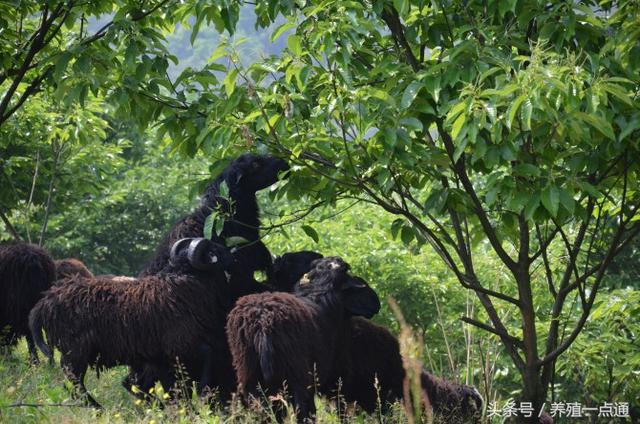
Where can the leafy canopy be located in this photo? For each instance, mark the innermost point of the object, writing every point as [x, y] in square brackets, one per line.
[508, 127]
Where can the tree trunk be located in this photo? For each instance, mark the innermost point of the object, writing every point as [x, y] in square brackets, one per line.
[533, 392]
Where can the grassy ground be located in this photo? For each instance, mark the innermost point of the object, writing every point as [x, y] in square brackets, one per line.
[35, 387]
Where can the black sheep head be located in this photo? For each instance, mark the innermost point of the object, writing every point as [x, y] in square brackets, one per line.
[471, 402]
[289, 268]
[201, 254]
[251, 173]
[331, 274]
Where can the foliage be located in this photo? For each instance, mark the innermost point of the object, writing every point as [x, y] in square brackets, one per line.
[117, 229]
[52, 157]
[487, 128]
[605, 358]
[497, 141]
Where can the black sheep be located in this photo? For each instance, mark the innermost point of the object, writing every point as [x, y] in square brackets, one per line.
[289, 268]
[374, 355]
[295, 339]
[244, 176]
[71, 266]
[375, 377]
[26, 271]
[154, 319]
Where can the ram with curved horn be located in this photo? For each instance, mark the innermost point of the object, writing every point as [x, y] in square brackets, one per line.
[153, 320]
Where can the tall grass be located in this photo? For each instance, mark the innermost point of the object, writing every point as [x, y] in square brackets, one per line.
[41, 394]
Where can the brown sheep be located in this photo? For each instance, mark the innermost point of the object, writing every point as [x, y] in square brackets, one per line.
[154, 319]
[26, 271]
[70, 266]
[282, 339]
[373, 355]
[376, 361]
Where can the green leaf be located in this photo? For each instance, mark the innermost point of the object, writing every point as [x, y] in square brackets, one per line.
[402, 6]
[513, 109]
[551, 199]
[457, 126]
[567, 201]
[230, 81]
[219, 226]
[309, 231]
[527, 109]
[234, 241]
[532, 206]
[460, 148]
[382, 95]
[505, 6]
[218, 53]
[526, 169]
[61, 64]
[432, 84]
[406, 234]
[486, 74]
[395, 227]
[589, 188]
[618, 92]
[295, 45]
[281, 30]
[411, 123]
[456, 110]
[224, 190]
[632, 125]
[207, 231]
[597, 122]
[436, 201]
[410, 94]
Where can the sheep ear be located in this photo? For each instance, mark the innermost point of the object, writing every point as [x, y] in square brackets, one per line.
[353, 283]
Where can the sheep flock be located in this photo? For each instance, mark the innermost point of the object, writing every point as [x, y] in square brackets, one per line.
[196, 312]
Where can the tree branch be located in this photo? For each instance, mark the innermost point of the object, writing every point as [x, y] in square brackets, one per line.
[459, 169]
[615, 247]
[392, 19]
[474, 284]
[547, 267]
[36, 46]
[9, 226]
[516, 341]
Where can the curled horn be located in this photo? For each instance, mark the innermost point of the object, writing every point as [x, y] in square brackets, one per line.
[196, 254]
[179, 247]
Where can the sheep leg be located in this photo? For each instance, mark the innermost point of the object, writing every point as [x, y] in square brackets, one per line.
[304, 404]
[218, 372]
[206, 380]
[33, 351]
[142, 377]
[75, 372]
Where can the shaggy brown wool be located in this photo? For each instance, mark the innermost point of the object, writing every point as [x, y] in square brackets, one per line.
[243, 177]
[279, 339]
[154, 319]
[373, 358]
[71, 266]
[26, 271]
